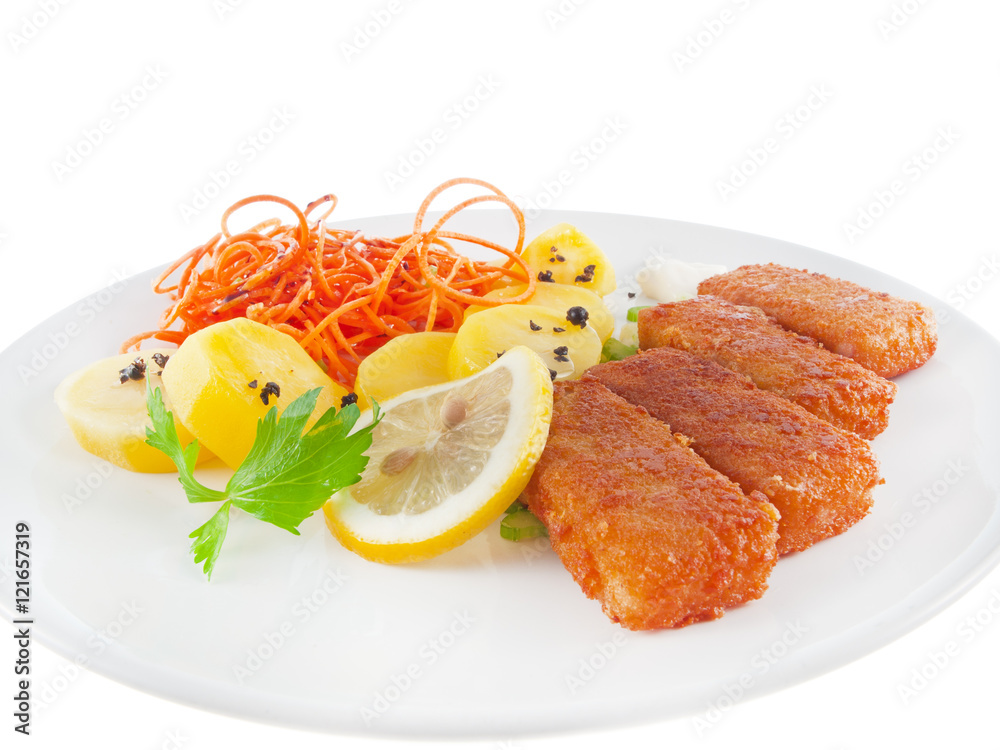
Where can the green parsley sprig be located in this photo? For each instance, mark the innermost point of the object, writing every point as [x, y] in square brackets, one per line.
[286, 476]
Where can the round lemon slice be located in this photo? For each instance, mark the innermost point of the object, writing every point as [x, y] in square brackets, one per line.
[446, 461]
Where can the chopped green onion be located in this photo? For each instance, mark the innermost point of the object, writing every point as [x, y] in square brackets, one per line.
[633, 313]
[516, 505]
[521, 524]
[614, 350]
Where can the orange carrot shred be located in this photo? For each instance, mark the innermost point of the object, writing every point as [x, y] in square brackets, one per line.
[339, 293]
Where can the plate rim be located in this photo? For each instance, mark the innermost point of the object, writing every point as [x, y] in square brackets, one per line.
[830, 653]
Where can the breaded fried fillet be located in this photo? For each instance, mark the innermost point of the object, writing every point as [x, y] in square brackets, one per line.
[745, 340]
[886, 334]
[819, 477]
[642, 523]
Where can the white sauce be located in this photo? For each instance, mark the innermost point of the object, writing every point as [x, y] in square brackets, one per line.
[673, 280]
[629, 334]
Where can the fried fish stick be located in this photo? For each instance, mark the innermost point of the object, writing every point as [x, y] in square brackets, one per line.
[819, 477]
[886, 334]
[745, 340]
[642, 523]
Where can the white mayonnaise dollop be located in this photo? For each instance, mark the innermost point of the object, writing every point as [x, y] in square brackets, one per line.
[672, 280]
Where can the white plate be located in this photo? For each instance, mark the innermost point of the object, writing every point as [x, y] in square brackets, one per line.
[495, 638]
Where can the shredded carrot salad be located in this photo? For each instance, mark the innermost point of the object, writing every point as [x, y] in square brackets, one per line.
[340, 294]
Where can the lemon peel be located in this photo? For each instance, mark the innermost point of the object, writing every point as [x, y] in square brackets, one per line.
[446, 461]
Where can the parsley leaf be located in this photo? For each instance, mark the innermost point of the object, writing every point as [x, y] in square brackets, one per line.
[208, 538]
[163, 437]
[286, 476]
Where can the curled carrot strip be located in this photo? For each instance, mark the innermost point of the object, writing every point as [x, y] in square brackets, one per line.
[339, 293]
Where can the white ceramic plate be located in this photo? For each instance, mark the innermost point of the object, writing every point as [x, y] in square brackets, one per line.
[495, 638]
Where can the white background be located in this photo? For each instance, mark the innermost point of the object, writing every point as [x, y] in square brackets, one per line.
[877, 92]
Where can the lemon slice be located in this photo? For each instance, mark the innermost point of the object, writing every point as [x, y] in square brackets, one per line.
[446, 461]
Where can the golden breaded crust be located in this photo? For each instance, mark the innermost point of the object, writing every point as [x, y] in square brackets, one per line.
[819, 477]
[747, 341]
[642, 523]
[886, 334]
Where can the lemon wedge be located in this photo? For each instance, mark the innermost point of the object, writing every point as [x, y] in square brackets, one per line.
[446, 461]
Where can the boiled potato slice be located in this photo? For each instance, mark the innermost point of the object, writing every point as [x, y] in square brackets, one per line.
[413, 360]
[218, 383]
[571, 258]
[560, 297]
[566, 349]
[109, 418]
